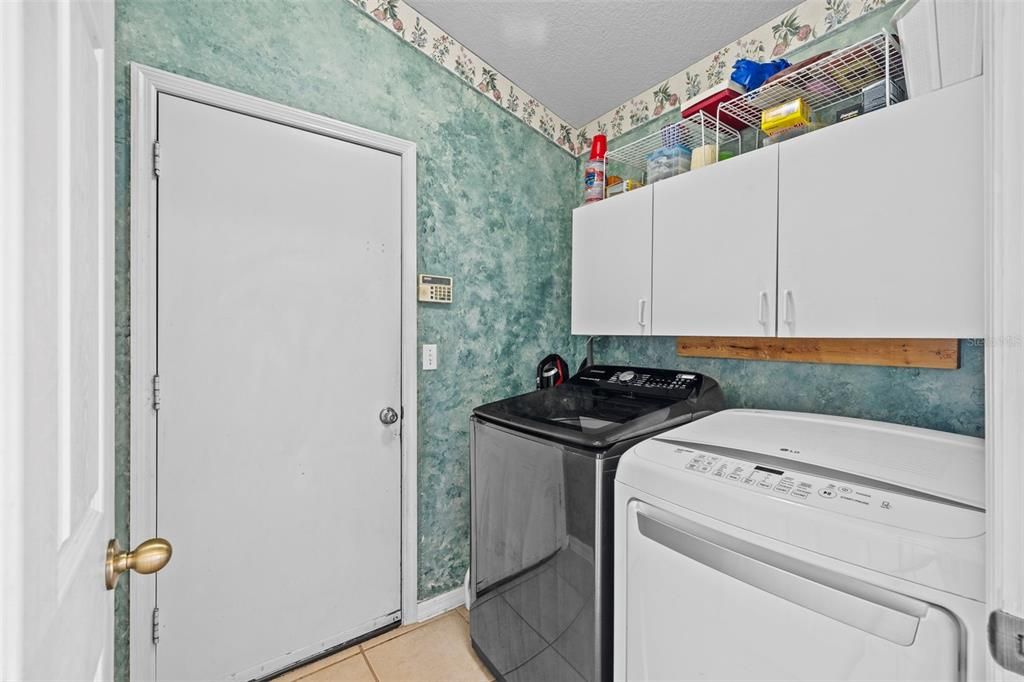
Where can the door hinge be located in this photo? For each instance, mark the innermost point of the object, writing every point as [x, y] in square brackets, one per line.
[156, 158]
[1006, 640]
[156, 625]
[156, 392]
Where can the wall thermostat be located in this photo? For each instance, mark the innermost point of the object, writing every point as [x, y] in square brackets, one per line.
[435, 289]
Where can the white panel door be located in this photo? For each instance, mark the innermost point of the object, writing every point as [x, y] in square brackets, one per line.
[881, 223]
[715, 241]
[56, 339]
[611, 266]
[278, 345]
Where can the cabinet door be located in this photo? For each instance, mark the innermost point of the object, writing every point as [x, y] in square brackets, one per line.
[715, 241]
[881, 223]
[611, 266]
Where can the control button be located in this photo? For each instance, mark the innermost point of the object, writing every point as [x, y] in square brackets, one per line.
[719, 473]
[691, 465]
[626, 376]
[805, 484]
[783, 488]
[800, 494]
[733, 477]
[748, 481]
[845, 490]
[704, 468]
[764, 484]
[827, 492]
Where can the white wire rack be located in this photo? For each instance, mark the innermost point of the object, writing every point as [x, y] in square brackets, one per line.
[696, 131]
[824, 84]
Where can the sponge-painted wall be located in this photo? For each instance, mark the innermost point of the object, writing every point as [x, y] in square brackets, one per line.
[942, 399]
[493, 204]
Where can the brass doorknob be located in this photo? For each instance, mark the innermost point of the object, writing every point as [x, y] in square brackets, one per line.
[149, 557]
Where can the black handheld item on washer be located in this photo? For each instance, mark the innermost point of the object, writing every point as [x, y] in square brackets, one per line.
[552, 371]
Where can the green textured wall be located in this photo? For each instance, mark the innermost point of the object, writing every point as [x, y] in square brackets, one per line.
[494, 201]
[942, 399]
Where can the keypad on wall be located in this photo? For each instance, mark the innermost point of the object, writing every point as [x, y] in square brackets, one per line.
[435, 289]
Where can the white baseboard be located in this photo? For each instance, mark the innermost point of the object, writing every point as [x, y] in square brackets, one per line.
[435, 606]
[579, 548]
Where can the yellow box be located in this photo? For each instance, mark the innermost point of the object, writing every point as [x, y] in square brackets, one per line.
[792, 114]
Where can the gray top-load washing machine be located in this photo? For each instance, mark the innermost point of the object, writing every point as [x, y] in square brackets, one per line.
[543, 465]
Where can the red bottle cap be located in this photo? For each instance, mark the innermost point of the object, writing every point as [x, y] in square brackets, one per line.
[598, 147]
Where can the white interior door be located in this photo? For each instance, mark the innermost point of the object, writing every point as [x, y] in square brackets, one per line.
[56, 339]
[278, 345]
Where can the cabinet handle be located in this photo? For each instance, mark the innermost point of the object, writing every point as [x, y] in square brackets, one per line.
[641, 305]
[787, 306]
[762, 308]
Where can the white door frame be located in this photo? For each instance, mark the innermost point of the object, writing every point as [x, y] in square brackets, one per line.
[1004, 303]
[147, 83]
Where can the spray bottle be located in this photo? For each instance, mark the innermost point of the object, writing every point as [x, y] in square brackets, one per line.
[594, 171]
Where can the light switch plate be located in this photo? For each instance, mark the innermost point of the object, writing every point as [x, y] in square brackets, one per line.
[429, 356]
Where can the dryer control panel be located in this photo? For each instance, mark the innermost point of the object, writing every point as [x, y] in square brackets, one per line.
[884, 504]
[775, 480]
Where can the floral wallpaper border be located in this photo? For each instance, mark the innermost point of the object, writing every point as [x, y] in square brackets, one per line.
[428, 38]
[808, 21]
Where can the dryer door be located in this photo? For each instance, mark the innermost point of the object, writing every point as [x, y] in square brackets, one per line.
[703, 605]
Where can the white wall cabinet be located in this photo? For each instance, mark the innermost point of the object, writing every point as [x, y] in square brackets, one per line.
[611, 266]
[870, 228]
[715, 238]
[881, 223]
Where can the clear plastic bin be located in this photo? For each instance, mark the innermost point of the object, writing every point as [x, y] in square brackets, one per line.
[667, 161]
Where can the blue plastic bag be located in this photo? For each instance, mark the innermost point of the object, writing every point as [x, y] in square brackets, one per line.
[751, 74]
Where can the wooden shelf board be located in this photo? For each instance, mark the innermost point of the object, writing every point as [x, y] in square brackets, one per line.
[930, 353]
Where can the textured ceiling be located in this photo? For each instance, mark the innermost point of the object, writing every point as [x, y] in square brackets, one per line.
[582, 58]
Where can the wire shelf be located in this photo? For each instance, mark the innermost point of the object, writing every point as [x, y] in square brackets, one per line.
[696, 131]
[825, 83]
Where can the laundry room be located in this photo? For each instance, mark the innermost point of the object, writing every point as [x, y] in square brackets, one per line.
[422, 340]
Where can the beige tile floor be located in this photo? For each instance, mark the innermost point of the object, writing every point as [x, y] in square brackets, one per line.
[432, 651]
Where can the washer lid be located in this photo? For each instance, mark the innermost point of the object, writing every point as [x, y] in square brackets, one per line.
[943, 465]
[607, 404]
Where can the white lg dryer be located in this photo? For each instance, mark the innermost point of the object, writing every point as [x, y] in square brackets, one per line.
[759, 545]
